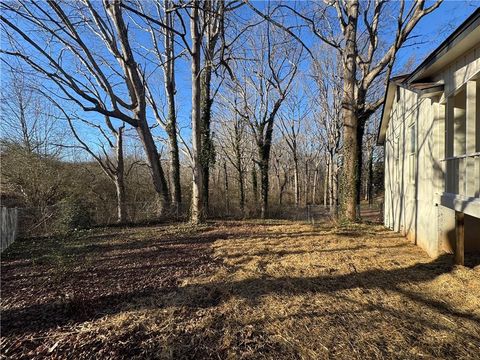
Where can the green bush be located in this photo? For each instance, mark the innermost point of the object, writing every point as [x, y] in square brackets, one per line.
[74, 214]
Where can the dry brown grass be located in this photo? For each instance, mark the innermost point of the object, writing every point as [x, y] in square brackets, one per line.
[283, 290]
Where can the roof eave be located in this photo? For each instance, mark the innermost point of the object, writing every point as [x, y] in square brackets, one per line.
[468, 29]
[387, 107]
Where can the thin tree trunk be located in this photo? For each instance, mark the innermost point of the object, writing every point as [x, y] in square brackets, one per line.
[307, 183]
[264, 184]
[171, 126]
[227, 200]
[119, 178]
[296, 181]
[325, 185]
[330, 180]
[254, 186]
[241, 192]
[241, 180]
[370, 178]
[359, 156]
[280, 191]
[282, 188]
[279, 188]
[174, 164]
[277, 176]
[121, 199]
[335, 186]
[314, 188]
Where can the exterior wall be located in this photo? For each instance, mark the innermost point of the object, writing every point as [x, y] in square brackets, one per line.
[411, 162]
[414, 175]
[464, 68]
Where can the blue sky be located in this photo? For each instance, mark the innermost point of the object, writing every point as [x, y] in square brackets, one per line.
[435, 27]
[430, 32]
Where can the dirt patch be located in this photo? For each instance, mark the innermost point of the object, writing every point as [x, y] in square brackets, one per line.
[273, 289]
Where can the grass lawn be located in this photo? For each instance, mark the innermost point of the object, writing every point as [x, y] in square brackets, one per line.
[239, 290]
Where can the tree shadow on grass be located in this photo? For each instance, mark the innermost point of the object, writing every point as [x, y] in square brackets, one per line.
[45, 316]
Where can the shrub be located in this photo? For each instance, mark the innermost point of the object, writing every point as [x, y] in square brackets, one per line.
[74, 214]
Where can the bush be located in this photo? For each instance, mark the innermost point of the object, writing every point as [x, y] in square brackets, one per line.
[74, 214]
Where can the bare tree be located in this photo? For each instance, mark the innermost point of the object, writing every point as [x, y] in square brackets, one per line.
[163, 48]
[27, 119]
[94, 77]
[31, 172]
[369, 148]
[281, 170]
[232, 134]
[367, 58]
[327, 101]
[213, 15]
[197, 210]
[265, 87]
[290, 125]
[111, 162]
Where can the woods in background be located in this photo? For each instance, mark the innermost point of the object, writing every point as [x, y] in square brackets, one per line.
[210, 107]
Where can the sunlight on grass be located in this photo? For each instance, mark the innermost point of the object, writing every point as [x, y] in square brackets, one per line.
[271, 289]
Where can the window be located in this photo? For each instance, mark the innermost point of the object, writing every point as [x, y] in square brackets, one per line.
[412, 139]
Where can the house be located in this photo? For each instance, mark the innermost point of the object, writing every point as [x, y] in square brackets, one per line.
[430, 131]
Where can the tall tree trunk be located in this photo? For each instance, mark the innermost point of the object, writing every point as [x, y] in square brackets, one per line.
[264, 145]
[296, 180]
[330, 180]
[325, 184]
[264, 154]
[241, 192]
[174, 163]
[314, 187]
[227, 199]
[279, 185]
[241, 181]
[119, 178]
[306, 184]
[121, 199]
[213, 12]
[197, 211]
[350, 118]
[254, 185]
[206, 141]
[282, 188]
[335, 186]
[359, 152]
[171, 125]
[369, 191]
[280, 191]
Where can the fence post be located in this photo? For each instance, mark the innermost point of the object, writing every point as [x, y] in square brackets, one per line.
[8, 233]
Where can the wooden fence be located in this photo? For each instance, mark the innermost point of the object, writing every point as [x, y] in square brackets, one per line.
[8, 226]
